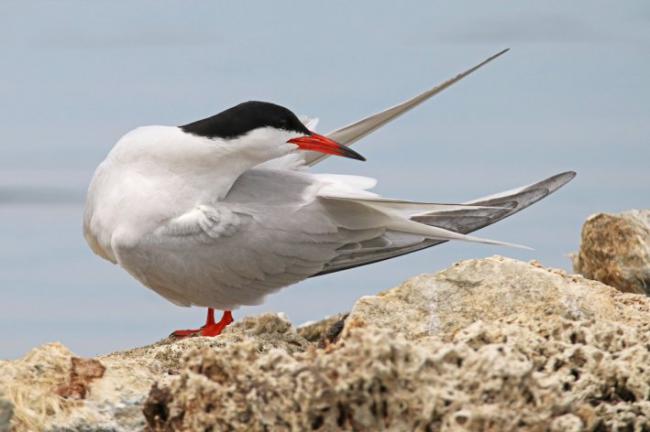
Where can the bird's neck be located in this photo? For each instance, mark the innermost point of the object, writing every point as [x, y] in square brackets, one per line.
[169, 158]
[219, 174]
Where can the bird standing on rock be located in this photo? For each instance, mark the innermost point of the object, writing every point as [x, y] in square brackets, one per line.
[222, 212]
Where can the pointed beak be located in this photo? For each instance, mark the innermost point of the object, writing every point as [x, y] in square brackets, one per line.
[322, 144]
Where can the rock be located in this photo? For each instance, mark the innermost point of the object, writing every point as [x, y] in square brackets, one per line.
[492, 344]
[497, 376]
[567, 423]
[487, 290]
[51, 389]
[615, 249]
[325, 331]
[6, 413]
[82, 373]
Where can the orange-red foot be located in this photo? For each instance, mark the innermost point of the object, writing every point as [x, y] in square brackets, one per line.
[211, 328]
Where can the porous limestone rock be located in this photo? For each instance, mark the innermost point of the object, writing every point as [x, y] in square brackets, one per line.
[325, 331]
[488, 289]
[615, 249]
[493, 344]
[503, 375]
[6, 413]
[51, 389]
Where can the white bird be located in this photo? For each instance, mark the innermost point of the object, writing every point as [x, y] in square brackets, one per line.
[222, 212]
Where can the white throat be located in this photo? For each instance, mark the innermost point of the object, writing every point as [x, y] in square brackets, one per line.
[207, 166]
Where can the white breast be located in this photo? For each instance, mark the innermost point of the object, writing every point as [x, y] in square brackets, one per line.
[157, 173]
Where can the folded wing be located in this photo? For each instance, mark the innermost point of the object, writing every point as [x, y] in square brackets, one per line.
[278, 227]
[490, 209]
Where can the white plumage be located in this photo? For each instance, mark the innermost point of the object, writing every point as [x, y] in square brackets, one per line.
[223, 222]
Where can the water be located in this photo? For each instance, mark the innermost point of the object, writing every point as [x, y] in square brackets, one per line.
[571, 94]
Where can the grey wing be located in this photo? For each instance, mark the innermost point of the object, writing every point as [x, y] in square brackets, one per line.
[497, 207]
[269, 232]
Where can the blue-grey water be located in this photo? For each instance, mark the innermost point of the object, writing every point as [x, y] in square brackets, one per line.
[572, 94]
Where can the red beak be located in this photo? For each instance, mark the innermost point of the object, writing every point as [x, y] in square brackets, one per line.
[322, 144]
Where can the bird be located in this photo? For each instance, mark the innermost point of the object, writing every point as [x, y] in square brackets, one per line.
[223, 211]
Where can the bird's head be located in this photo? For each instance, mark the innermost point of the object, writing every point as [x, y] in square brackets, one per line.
[266, 124]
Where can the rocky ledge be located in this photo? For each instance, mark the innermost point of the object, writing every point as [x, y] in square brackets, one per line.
[492, 344]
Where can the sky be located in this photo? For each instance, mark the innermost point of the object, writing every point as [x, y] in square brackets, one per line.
[572, 94]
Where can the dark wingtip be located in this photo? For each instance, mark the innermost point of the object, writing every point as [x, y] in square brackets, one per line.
[349, 153]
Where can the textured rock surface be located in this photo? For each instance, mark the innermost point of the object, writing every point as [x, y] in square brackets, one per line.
[6, 413]
[45, 391]
[615, 249]
[486, 345]
[492, 344]
[486, 290]
[491, 376]
[325, 331]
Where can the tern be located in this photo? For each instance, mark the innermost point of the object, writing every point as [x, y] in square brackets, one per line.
[221, 212]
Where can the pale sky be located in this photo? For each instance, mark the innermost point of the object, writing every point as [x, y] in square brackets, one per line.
[572, 93]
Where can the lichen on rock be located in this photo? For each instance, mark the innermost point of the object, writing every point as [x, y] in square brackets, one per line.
[82, 373]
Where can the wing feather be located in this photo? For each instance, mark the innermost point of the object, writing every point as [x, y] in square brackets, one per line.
[281, 231]
[270, 231]
[352, 133]
[496, 208]
[348, 135]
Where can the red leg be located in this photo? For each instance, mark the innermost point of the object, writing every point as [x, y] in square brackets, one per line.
[211, 328]
[215, 329]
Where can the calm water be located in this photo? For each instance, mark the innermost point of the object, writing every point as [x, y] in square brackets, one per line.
[572, 94]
